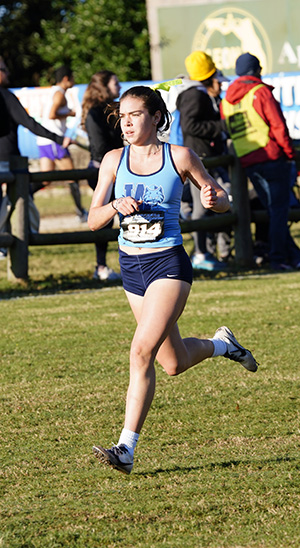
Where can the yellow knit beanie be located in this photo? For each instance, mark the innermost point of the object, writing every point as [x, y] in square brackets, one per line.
[200, 66]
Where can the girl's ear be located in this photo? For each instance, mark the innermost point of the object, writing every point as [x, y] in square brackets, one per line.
[156, 117]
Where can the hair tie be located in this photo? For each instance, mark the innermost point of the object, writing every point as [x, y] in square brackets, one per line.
[166, 85]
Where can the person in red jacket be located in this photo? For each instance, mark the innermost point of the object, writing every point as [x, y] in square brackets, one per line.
[261, 140]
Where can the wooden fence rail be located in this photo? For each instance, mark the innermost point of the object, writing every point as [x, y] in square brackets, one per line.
[19, 237]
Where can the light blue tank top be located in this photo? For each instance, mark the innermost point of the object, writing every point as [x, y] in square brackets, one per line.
[156, 224]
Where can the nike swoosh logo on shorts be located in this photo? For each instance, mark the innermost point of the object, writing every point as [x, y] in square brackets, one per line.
[171, 275]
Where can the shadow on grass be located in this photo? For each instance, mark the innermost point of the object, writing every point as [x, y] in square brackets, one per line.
[255, 463]
[54, 284]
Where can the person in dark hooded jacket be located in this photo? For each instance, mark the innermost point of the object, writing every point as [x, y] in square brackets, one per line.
[203, 131]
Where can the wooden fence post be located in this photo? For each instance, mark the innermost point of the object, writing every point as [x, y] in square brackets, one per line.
[17, 263]
[241, 206]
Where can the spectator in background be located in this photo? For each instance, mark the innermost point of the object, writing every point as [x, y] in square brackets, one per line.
[203, 131]
[104, 135]
[220, 173]
[4, 122]
[4, 116]
[4, 130]
[17, 115]
[54, 118]
[261, 140]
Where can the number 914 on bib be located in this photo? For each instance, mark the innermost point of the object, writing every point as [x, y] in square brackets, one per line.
[147, 226]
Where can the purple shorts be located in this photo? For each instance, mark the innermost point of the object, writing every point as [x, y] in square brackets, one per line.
[139, 271]
[53, 152]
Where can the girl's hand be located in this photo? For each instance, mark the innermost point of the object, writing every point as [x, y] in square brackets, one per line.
[126, 206]
[209, 197]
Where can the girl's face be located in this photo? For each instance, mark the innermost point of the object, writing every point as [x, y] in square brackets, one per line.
[137, 125]
[114, 87]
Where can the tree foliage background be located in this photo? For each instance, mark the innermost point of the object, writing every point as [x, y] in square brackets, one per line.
[89, 35]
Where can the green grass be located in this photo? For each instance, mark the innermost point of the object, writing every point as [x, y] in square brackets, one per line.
[217, 464]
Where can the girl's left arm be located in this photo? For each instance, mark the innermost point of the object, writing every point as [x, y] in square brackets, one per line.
[189, 165]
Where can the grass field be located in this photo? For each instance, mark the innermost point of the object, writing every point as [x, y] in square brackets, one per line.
[217, 464]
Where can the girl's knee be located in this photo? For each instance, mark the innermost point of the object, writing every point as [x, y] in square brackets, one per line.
[140, 352]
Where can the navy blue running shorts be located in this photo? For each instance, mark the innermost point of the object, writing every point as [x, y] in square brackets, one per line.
[139, 271]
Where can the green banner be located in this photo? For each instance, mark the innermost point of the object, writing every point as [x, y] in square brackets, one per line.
[268, 29]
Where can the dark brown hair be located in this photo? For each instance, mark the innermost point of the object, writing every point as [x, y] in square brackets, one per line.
[61, 72]
[153, 102]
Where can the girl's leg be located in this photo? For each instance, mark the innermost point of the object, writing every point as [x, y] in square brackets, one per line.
[176, 355]
[46, 165]
[157, 334]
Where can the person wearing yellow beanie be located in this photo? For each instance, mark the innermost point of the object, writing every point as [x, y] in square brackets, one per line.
[203, 131]
[200, 66]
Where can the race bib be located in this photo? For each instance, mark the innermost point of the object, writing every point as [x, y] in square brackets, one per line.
[147, 226]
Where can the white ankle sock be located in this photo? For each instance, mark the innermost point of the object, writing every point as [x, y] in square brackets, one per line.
[129, 439]
[220, 347]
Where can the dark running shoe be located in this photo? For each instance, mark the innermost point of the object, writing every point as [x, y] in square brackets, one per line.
[235, 351]
[118, 457]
